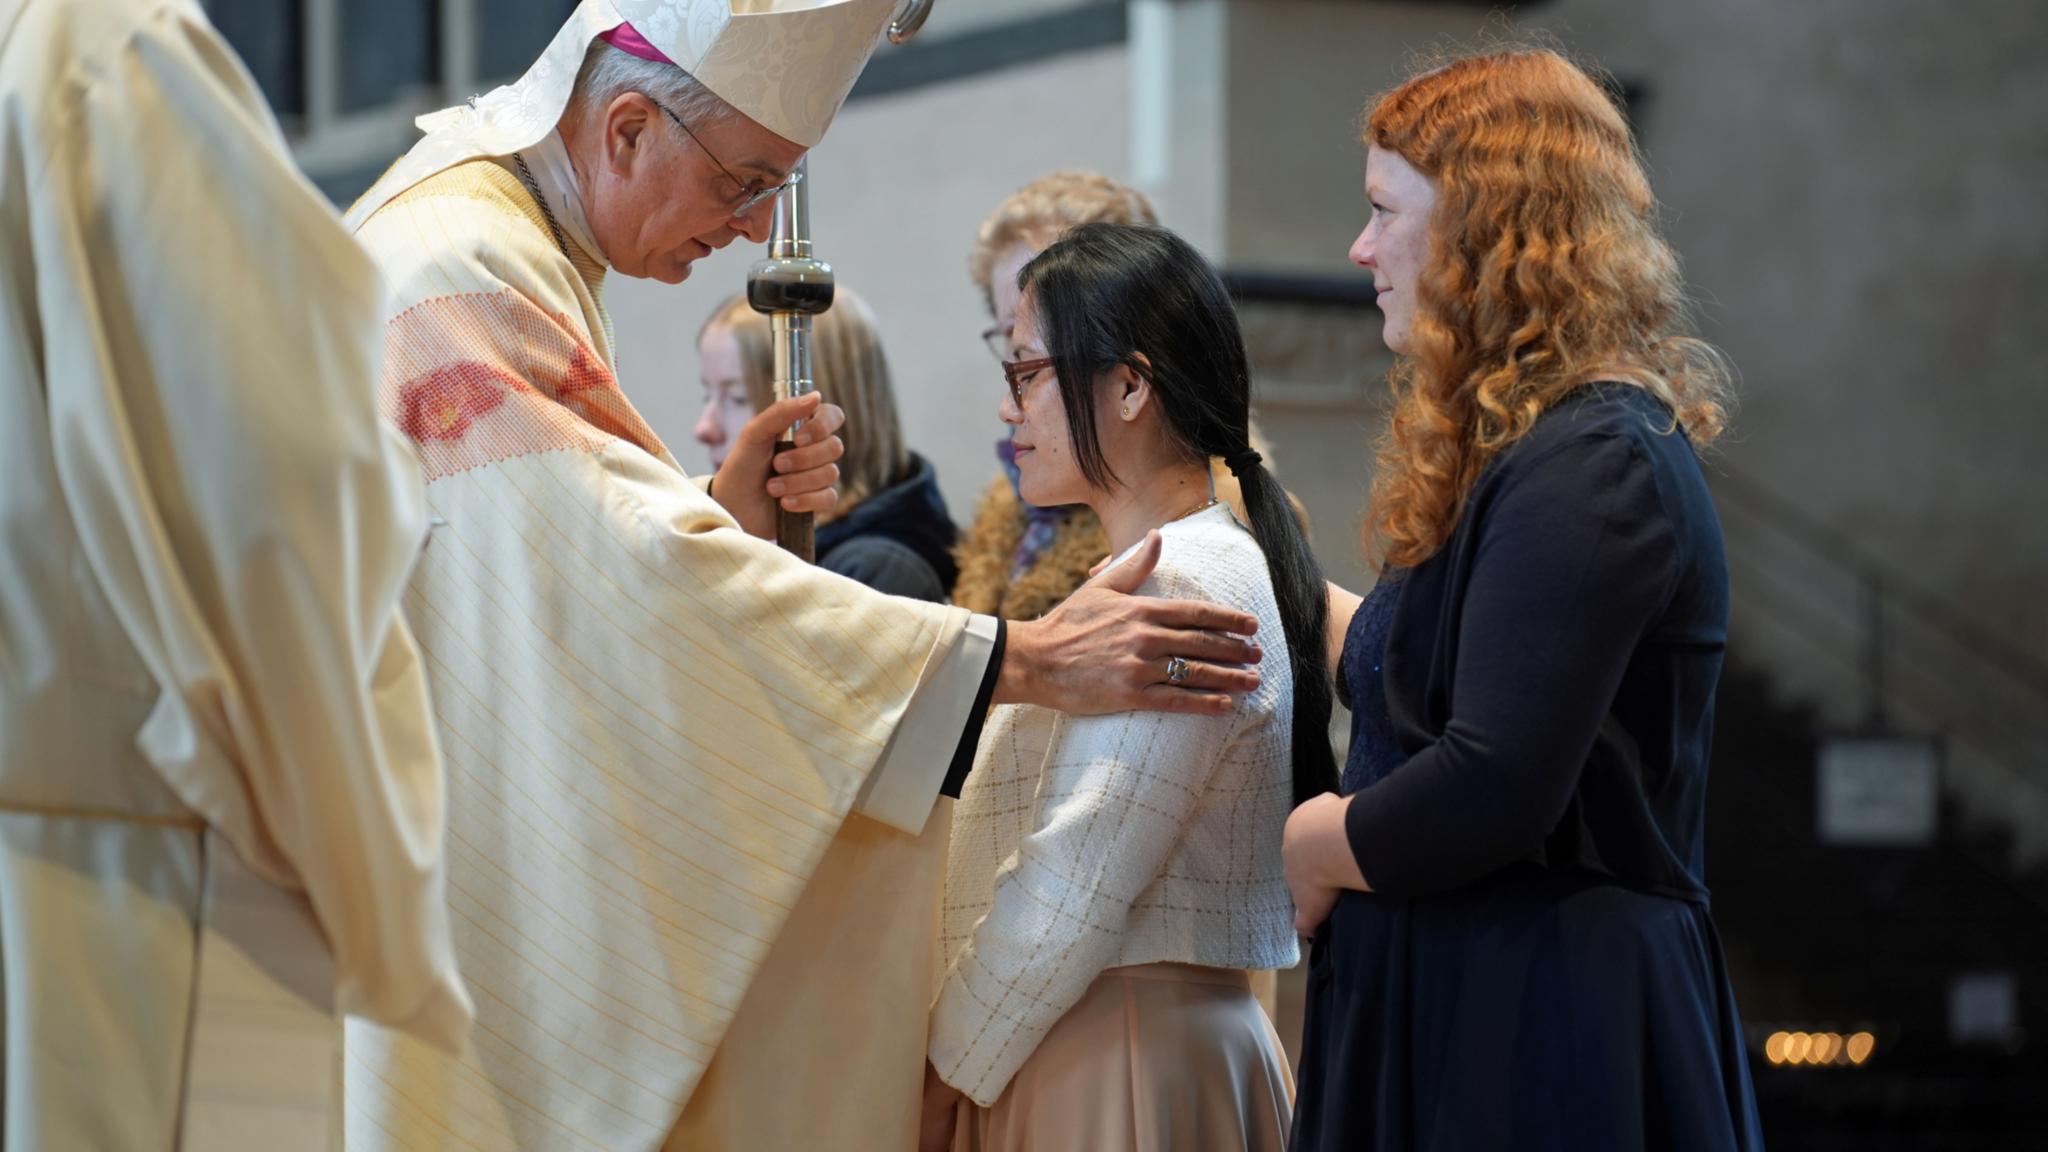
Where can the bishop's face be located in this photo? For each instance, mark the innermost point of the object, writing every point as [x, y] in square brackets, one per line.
[663, 197]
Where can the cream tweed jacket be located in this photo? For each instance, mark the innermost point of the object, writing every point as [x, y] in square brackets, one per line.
[1082, 843]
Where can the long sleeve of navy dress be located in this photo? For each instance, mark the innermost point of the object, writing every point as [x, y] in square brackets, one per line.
[1532, 712]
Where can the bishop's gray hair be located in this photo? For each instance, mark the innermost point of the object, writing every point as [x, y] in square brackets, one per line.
[609, 73]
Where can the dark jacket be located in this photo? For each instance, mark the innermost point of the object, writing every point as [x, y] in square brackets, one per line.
[1551, 671]
[898, 540]
[1536, 967]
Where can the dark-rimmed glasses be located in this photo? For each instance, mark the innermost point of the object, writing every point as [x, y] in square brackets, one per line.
[751, 193]
[997, 338]
[1018, 373]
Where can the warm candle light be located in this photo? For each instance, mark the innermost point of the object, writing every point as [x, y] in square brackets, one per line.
[1776, 1047]
[1826, 1047]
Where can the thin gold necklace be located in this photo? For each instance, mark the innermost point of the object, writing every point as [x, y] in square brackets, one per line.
[1204, 506]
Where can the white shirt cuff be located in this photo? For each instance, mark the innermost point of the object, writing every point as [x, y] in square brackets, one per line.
[905, 782]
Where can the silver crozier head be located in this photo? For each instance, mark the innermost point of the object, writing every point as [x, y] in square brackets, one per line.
[790, 286]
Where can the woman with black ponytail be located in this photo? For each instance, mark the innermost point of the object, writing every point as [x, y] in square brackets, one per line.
[1112, 878]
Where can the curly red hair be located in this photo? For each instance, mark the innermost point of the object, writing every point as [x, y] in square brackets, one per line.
[1546, 270]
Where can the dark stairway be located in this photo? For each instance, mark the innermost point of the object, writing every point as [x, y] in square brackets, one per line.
[1828, 938]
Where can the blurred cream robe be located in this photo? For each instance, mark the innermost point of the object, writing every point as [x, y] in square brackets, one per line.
[220, 804]
[655, 725]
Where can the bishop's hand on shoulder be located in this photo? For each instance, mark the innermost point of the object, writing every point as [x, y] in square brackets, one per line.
[1106, 649]
[754, 480]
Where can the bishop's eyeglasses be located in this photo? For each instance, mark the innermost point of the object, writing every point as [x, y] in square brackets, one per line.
[752, 192]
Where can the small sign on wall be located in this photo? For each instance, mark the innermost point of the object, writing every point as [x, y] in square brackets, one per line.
[1879, 791]
[1983, 1007]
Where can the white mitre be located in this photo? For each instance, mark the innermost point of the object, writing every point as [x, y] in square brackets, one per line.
[785, 64]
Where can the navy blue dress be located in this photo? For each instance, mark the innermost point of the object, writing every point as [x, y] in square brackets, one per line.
[1531, 707]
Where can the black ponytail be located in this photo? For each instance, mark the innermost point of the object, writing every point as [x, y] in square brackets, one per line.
[1139, 296]
[1304, 602]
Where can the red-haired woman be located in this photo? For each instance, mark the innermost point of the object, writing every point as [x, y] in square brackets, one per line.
[1512, 943]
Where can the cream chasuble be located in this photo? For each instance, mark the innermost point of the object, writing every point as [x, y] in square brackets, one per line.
[220, 803]
[654, 724]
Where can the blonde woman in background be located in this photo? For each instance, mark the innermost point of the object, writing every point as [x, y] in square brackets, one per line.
[890, 530]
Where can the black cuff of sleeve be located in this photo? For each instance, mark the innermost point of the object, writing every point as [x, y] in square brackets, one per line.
[963, 754]
[1366, 832]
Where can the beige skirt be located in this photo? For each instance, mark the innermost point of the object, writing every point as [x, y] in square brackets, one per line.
[1155, 1057]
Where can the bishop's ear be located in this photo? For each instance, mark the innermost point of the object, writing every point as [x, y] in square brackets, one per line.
[628, 124]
